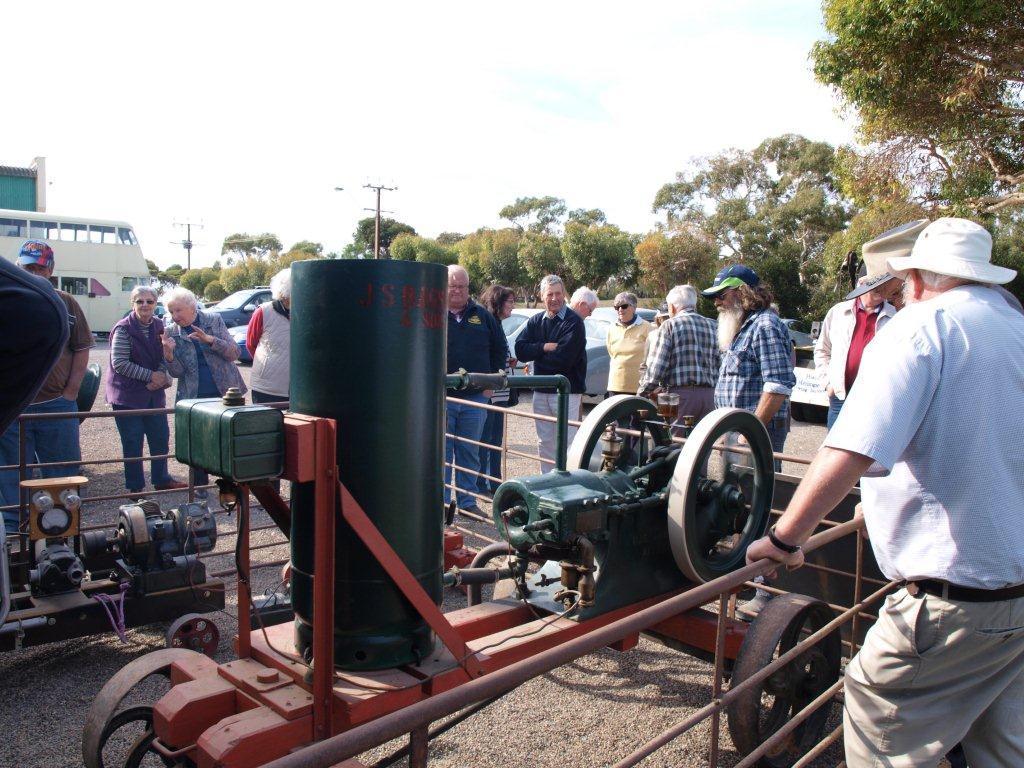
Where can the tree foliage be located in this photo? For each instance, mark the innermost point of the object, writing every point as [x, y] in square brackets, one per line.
[666, 259]
[214, 291]
[154, 270]
[315, 250]
[937, 85]
[492, 256]
[362, 238]
[242, 245]
[539, 255]
[196, 280]
[408, 247]
[534, 214]
[781, 199]
[595, 253]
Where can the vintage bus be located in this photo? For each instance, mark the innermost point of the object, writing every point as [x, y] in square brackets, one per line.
[98, 262]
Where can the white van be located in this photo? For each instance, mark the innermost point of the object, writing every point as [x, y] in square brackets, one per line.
[98, 262]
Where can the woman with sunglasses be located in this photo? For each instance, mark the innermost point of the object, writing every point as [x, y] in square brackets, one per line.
[137, 379]
[627, 344]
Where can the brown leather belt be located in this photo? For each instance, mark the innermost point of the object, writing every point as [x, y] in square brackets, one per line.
[966, 594]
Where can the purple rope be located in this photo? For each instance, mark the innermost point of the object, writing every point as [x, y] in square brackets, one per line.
[114, 608]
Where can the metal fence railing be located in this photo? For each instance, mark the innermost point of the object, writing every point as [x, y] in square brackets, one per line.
[720, 593]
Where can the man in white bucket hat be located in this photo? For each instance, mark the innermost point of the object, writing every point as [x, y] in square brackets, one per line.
[937, 405]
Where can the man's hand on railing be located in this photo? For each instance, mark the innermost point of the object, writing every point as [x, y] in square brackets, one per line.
[763, 549]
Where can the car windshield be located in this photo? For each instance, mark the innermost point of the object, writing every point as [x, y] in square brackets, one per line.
[235, 300]
[596, 329]
[510, 323]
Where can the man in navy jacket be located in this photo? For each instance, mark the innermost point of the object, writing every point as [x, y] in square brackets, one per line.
[554, 341]
[477, 344]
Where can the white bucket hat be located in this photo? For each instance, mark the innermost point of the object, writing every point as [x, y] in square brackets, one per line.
[898, 241]
[954, 247]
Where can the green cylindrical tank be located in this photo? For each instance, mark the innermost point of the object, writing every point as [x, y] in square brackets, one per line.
[368, 349]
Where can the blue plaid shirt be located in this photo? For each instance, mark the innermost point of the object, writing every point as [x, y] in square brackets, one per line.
[758, 360]
[685, 354]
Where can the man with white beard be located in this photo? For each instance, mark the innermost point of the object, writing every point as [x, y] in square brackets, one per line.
[756, 372]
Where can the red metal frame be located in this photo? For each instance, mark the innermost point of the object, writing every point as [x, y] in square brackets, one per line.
[267, 703]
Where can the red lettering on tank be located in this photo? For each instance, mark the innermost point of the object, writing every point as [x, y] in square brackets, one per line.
[388, 292]
[433, 319]
[367, 300]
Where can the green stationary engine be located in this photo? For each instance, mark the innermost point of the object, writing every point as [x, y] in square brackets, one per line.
[637, 516]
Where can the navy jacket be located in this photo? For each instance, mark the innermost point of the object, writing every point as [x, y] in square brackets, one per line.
[476, 344]
[568, 359]
[34, 328]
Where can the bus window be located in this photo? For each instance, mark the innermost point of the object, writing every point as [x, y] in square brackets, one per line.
[74, 233]
[43, 230]
[76, 286]
[129, 283]
[13, 228]
[100, 234]
[126, 236]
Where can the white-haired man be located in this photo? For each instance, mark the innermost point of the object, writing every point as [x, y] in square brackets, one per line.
[583, 302]
[934, 406]
[685, 358]
[555, 341]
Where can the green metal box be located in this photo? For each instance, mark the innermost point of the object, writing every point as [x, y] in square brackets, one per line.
[237, 442]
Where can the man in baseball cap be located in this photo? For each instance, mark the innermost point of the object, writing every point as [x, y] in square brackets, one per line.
[50, 440]
[756, 368]
[732, 277]
[851, 324]
[36, 257]
[936, 405]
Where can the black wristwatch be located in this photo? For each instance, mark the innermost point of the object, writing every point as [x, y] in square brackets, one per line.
[780, 544]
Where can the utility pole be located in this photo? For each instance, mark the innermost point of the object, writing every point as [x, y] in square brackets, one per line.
[376, 221]
[187, 242]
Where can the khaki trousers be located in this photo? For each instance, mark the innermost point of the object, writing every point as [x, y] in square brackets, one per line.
[546, 403]
[932, 673]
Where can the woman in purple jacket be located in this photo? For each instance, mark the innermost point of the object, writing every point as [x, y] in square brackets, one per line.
[137, 379]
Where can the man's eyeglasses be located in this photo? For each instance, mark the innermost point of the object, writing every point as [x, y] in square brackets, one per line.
[145, 301]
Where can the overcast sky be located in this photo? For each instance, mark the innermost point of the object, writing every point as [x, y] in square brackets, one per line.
[245, 116]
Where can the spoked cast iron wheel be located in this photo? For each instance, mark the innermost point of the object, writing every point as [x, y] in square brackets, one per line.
[104, 720]
[759, 712]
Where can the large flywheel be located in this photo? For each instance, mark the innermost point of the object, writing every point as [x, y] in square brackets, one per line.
[627, 412]
[720, 495]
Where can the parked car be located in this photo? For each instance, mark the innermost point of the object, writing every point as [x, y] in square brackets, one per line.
[597, 352]
[610, 315]
[800, 339]
[238, 334]
[237, 308]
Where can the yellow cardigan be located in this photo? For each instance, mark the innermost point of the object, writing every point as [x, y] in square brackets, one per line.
[626, 352]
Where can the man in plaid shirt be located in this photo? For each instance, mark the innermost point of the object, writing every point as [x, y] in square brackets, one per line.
[685, 357]
[757, 365]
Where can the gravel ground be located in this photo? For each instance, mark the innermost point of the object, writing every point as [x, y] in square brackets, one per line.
[590, 712]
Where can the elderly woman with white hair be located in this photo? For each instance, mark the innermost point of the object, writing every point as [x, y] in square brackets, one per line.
[627, 346]
[199, 352]
[268, 341]
[137, 380]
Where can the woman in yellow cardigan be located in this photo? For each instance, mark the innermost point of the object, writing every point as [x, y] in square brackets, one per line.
[627, 342]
